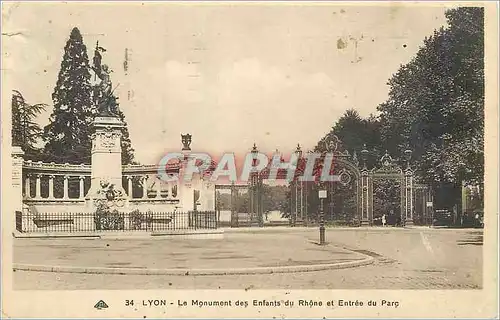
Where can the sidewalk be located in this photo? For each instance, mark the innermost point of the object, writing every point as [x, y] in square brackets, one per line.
[238, 253]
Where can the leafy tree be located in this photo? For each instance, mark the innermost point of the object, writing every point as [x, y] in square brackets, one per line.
[354, 133]
[435, 107]
[387, 199]
[436, 103]
[242, 202]
[274, 197]
[69, 131]
[26, 132]
[223, 201]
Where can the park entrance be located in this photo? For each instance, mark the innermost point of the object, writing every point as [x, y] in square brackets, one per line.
[234, 206]
[363, 192]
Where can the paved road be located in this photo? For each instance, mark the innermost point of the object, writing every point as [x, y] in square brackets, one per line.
[406, 259]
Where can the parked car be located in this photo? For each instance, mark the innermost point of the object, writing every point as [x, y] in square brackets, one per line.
[473, 219]
[442, 217]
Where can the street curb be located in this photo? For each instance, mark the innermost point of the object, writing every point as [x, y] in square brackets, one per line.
[194, 272]
[217, 234]
[54, 236]
[286, 229]
[195, 234]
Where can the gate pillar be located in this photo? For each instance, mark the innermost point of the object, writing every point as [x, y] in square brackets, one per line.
[234, 211]
[17, 176]
[365, 197]
[408, 196]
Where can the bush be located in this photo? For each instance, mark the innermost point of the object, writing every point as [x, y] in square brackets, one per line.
[106, 220]
[135, 219]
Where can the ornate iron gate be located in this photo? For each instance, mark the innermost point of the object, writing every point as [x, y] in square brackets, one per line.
[388, 170]
[239, 206]
[350, 197]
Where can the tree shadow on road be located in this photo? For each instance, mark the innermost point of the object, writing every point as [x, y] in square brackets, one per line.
[473, 239]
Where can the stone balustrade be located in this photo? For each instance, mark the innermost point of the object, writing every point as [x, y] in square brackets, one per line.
[149, 168]
[39, 178]
[44, 189]
[46, 192]
[140, 182]
[43, 167]
[152, 188]
[148, 187]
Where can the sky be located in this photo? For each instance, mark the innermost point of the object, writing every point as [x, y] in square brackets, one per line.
[230, 75]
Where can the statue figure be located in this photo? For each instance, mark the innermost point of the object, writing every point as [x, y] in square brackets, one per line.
[186, 141]
[103, 91]
[106, 93]
[110, 195]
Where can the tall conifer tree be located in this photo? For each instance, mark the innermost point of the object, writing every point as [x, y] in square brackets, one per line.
[75, 98]
[69, 131]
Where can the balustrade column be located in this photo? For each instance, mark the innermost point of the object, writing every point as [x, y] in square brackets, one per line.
[130, 190]
[158, 190]
[82, 187]
[145, 187]
[27, 187]
[51, 187]
[171, 187]
[65, 188]
[38, 190]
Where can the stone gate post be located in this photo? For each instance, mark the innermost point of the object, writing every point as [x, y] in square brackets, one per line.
[408, 188]
[17, 178]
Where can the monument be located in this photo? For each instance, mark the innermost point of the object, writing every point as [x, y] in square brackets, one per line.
[106, 155]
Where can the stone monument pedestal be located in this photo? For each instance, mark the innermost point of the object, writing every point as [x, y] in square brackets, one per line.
[106, 160]
[186, 188]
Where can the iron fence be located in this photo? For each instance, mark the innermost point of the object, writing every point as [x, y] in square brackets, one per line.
[114, 221]
[19, 220]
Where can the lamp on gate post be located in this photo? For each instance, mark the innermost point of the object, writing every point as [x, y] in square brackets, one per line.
[322, 195]
[364, 155]
[254, 152]
[409, 189]
[298, 151]
[407, 154]
[297, 187]
[329, 147]
[256, 187]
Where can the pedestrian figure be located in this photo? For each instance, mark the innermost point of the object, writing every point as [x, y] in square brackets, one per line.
[384, 221]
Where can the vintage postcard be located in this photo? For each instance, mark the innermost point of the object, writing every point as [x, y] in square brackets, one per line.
[249, 159]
